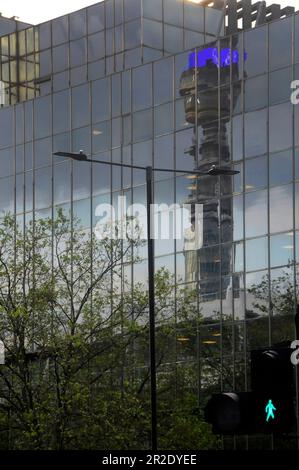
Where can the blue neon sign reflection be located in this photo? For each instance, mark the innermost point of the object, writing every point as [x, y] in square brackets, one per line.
[227, 57]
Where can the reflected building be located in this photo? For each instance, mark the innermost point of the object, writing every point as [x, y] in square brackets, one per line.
[199, 88]
[179, 85]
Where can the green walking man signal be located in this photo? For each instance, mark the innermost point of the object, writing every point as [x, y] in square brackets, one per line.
[253, 412]
[270, 409]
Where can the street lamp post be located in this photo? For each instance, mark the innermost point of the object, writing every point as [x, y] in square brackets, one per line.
[213, 171]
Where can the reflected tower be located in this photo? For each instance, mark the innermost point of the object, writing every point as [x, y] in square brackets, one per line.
[208, 110]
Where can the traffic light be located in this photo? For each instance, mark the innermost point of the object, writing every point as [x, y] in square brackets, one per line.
[269, 406]
[272, 371]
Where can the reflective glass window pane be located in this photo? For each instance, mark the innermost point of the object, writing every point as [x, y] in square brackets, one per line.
[238, 256]
[226, 222]
[142, 153]
[28, 191]
[126, 92]
[237, 137]
[255, 48]
[256, 306]
[101, 103]
[116, 94]
[127, 130]
[163, 118]
[142, 87]
[153, 34]
[173, 39]
[20, 193]
[61, 112]
[296, 163]
[163, 154]
[173, 12]
[152, 9]
[6, 127]
[60, 57]
[280, 42]
[44, 63]
[77, 24]
[183, 141]
[256, 93]
[80, 106]
[28, 121]
[296, 136]
[281, 208]
[101, 179]
[193, 39]
[96, 46]
[280, 85]
[109, 41]
[78, 52]
[297, 205]
[255, 133]
[180, 116]
[81, 210]
[163, 81]
[61, 81]
[132, 34]
[280, 168]
[150, 54]
[226, 264]
[42, 152]
[96, 69]
[96, 18]
[78, 75]
[44, 35]
[237, 99]
[62, 141]
[116, 132]
[256, 254]
[214, 24]
[142, 125]
[7, 158]
[181, 62]
[282, 287]
[42, 117]
[118, 12]
[281, 249]
[19, 158]
[6, 195]
[133, 58]
[296, 38]
[28, 156]
[256, 174]
[101, 136]
[81, 180]
[119, 39]
[280, 127]
[132, 9]
[43, 187]
[81, 140]
[19, 120]
[60, 30]
[297, 247]
[256, 218]
[238, 179]
[193, 17]
[62, 182]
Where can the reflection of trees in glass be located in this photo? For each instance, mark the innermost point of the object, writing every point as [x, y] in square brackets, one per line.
[279, 292]
[76, 338]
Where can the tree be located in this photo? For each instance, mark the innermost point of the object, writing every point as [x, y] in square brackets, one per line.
[76, 374]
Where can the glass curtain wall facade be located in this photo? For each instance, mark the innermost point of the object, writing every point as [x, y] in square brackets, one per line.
[184, 111]
[93, 42]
